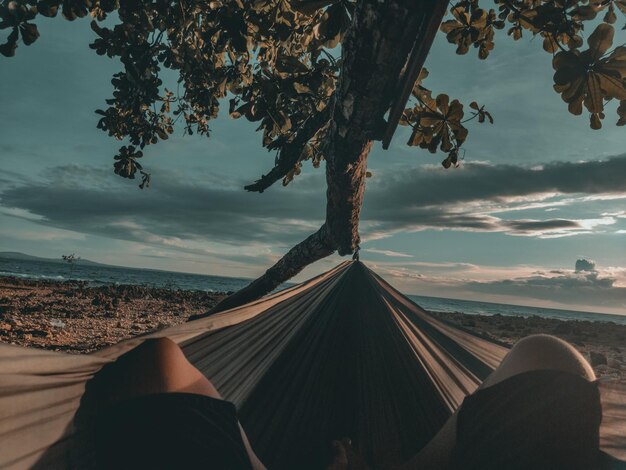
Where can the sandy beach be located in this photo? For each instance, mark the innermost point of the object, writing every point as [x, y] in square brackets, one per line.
[72, 317]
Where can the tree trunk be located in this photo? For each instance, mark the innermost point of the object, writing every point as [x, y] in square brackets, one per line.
[376, 49]
[374, 53]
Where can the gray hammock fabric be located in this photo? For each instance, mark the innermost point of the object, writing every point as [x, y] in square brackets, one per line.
[343, 354]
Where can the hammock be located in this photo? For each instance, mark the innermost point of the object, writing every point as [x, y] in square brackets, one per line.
[343, 354]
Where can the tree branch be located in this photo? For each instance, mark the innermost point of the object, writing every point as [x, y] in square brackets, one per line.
[290, 153]
[315, 247]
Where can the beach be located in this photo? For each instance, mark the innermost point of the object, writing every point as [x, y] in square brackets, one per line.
[75, 317]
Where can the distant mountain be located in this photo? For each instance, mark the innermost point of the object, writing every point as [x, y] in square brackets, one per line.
[24, 257]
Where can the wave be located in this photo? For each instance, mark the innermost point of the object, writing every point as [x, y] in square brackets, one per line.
[34, 276]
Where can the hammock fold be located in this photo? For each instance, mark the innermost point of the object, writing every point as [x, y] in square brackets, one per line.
[341, 355]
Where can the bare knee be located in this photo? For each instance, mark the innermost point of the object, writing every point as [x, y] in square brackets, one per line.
[550, 352]
[159, 353]
[541, 352]
[155, 366]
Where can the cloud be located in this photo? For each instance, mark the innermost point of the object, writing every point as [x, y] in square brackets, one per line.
[573, 288]
[390, 253]
[472, 197]
[172, 210]
[585, 265]
[184, 212]
[585, 285]
[477, 182]
[584, 288]
[531, 226]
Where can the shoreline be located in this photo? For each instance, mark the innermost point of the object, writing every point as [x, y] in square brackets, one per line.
[74, 317]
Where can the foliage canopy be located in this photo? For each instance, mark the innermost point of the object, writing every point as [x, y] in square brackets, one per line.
[272, 60]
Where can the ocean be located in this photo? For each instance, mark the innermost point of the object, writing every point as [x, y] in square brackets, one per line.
[103, 275]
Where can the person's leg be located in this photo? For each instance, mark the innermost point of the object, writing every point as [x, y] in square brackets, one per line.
[156, 366]
[159, 366]
[540, 352]
[535, 352]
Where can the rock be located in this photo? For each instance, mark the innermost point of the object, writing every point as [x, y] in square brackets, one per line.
[5, 326]
[596, 358]
[6, 309]
[614, 363]
[40, 333]
[57, 323]
[563, 328]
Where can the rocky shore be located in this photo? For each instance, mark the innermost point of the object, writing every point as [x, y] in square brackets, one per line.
[71, 316]
[602, 343]
[74, 317]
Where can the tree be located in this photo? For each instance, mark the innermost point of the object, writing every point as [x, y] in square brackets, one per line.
[71, 260]
[277, 63]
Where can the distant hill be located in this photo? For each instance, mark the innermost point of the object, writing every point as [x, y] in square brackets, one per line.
[24, 257]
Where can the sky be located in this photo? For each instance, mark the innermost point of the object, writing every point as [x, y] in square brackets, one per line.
[535, 215]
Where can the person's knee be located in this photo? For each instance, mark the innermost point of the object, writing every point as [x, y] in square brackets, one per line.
[159, 352]
[163, 367]
[548, 352]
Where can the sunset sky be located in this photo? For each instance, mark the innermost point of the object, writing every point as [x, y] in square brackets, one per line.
[537, 191]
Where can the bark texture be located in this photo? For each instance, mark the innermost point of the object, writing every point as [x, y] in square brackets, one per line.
[376, 49]
[374, 55]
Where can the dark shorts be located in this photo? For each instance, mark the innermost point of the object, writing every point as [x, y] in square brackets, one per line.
[171, 431]
[540, 420]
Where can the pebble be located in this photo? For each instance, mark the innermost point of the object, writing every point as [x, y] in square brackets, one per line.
[614, 363]
[57, 323]
[596, 358]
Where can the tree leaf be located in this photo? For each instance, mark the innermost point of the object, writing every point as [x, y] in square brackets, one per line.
[29, 33]
[601, 39]
[310, 7]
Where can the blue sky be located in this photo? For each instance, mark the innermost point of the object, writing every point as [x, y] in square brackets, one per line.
[537, 190]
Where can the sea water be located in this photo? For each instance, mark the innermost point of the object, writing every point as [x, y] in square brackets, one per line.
[103, 275]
